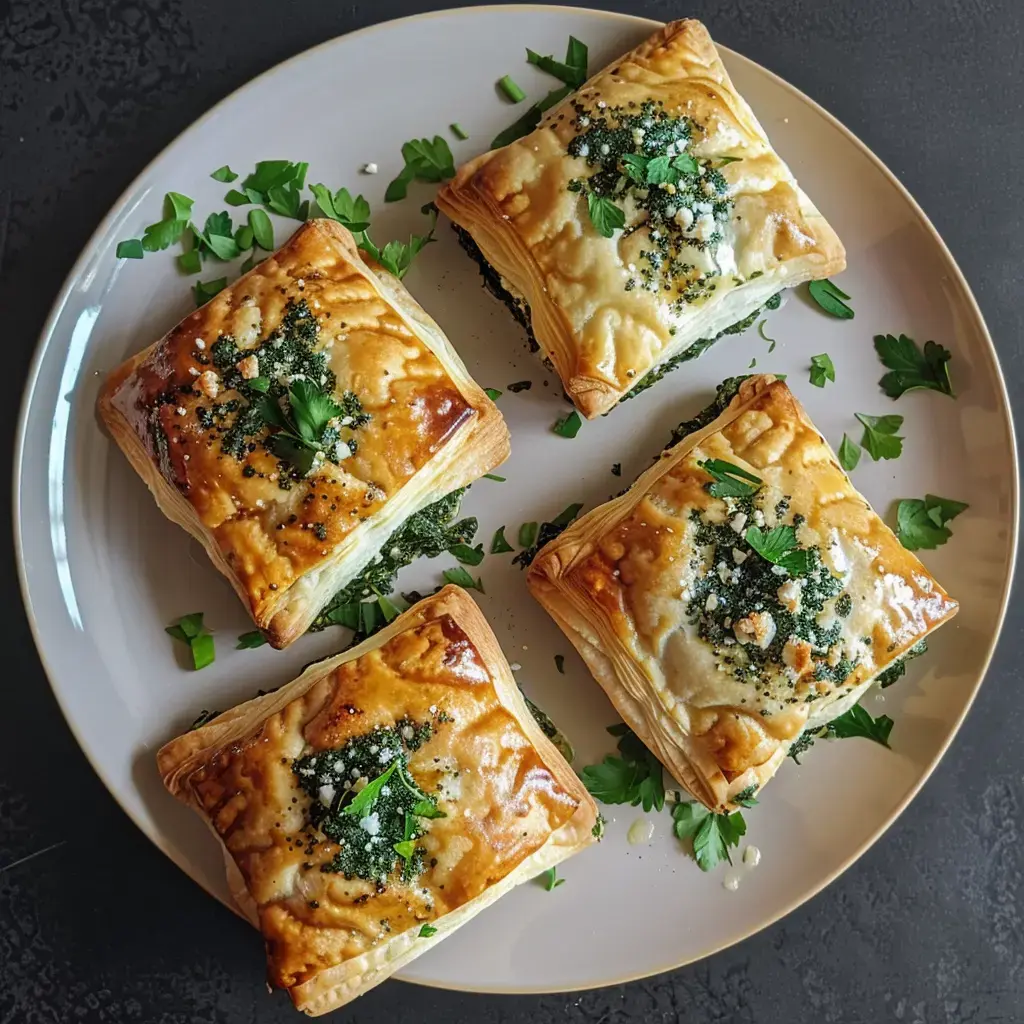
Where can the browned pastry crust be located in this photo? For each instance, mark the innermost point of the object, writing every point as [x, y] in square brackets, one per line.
[537, 235]
[622, 582]
[516, 810]
[288, 551]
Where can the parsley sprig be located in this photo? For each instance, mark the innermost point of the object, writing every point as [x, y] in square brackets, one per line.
[633, 778]
[925, 523]
[880, 439]
[831, 299]
[711, 834]
[910, 368]
[822, 370]
[428, 160]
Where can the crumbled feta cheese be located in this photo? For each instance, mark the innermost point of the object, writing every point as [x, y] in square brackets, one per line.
[249, 367]
[739, 521]
[408, 732]
[789, 595]
[370, 168]
[193, 371]
[756, 628]
[342, 451]
[711, 603]
[758, 517]
[181, 410]
[200, 344]
[705, 226]
[209, 383]
[739, 557]
[326, 794]
[605, 149]
[684, 218]
[584, 150]
[370, 824]
[515, 666]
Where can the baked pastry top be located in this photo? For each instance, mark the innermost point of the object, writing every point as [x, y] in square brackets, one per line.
[740, 592]
[645, 216]
[297, 419]
[376, 803]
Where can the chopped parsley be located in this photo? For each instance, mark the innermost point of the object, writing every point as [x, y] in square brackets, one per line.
[224, 174]
[711, 834]
[635, 777]
[779, 546]
[911, 368]
[880, 439]
[247, 641]
[206, 290]
[771, 341]
[550, 880]
[746, 797]
[468, 555]
[494, 477]
[849, 454]
[729, 481]
[858, 722]
[831, 299]
[572, 72]
[189, 629]
[511, 89]
[822, 370]
[130, 249]
[354, 214]
[568, 426]
[427, 931]
[925, 523]
[428, 160]
[458, 131]
[499, 545]
[493, 394]
[461, 578]
[528, 534]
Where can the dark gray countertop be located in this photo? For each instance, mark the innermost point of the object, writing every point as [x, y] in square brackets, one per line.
[96, 926]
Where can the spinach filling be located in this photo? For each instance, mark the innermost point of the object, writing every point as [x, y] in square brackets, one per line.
[362, 604]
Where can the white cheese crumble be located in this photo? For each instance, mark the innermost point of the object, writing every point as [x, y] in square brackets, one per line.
[739, 521]
[370, 824]
[370, 168]
[326, 794]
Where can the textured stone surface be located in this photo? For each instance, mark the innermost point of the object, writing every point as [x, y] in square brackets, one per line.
[928, 927]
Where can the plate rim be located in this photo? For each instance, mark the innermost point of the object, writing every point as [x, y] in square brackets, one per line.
[46, 337]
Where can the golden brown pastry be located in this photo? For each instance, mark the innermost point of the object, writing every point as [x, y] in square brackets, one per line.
[645, 216]
[740, 592]
[295, 421]
[459, 796]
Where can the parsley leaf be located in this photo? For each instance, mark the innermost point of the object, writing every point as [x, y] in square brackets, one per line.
[570, 74]
[224, 174]
[528, 534]
[396, 257]
[461, 578]
[425, 160]
[830, 299]
[189, 629]
[858, 722]
[745, 797]
[427, 931]
[771, 341]
[634, 778]
[492, 393]
[550, 880]
[365, 799]
[779, 546]
[729, 479]
[467, 555]
[711, 834]
[568, 426]
[822, 370]
[880, 439]
[498, 544]
[849, 454]
[217, 237]
[925, 524]
[312, 408]
[130, 249]
[247, 641]
[354, 214]
[605, 215]
[568, 514]
[206, 290]
[911, 368]
[262, 229]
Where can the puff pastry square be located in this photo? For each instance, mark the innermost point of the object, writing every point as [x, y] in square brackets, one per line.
[714, 223]
[412, 425]
[475, 797]
[717, 656]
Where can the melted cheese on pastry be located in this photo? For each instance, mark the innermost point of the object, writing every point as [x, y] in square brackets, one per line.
[714, 223]
[288, 540]
[718, 657]
[434, 693]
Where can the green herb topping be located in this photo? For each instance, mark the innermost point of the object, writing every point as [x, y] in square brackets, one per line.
[711, 834]
[189, 629]
[729, 481]
[499, 545]
[364, 798]
[831, 299]
[532, 538]
[849, 454]
[911, 368]
[461, 578]
[568, 426]
[427, 931]
[247, 641]
[425, 160]
[550, 880]
[880, 439]
[822, 370]
[635, 777]
[925, 524]
[513, 92]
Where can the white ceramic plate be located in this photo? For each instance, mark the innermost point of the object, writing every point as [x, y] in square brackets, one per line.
[103, 572]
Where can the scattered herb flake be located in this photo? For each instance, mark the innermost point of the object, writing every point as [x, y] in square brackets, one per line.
[605, 215]
[568, 426]
[461, 578]
[925, 524]
[520, 385]
[617, 469]
[511, 89]
[550, 880]
[830, 299]
[224, 174]
[729, 481]
[499, 545]
[822, 370]
[467, 555]
[849, 454]
[427, 931]
[528, 535]
[880, 439]
[910, 368]
[130, 249]
[493, 394]
[247, 641]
